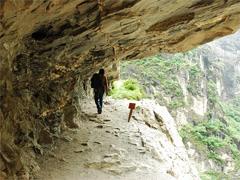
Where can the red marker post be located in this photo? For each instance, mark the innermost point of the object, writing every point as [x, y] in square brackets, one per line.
[131, 107]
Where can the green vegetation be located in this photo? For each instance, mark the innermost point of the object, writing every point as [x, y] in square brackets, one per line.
[213, 175]
[195, 76]
[217, 131]
[176, 104]
[129, 89]
[236, 101]
[212, 92]
[173, 87]
[161, 71]
[232, 116]
[213, 134]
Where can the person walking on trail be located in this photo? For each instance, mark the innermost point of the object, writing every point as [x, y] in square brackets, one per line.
[101, 85]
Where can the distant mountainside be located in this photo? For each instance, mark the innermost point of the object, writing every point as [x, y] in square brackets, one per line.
[226, 51]
[201, 89]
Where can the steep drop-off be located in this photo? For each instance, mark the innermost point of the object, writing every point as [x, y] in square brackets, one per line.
[49, 49]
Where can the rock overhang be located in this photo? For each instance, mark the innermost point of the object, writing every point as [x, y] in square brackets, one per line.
[97, 33]
[49, 49]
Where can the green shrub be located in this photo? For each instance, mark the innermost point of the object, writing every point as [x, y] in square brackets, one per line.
[213, 175]
[176, 104]
[129, 89]
[190, 88]
[172, 87]
[195, 70]
[232, 116]
[212, 92]
[212, 142]
[215, 158]
[178, 92]
[237, 167]
[204, 137]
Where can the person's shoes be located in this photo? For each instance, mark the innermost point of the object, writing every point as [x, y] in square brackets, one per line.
[99, 110]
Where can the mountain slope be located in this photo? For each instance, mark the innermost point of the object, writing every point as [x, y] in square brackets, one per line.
[201, 90]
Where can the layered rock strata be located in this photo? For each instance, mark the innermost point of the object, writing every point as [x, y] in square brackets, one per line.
[49, 49]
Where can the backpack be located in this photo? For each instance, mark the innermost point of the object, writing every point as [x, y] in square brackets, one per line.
[95, 81]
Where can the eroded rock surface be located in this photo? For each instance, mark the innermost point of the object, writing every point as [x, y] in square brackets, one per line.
[49, 49]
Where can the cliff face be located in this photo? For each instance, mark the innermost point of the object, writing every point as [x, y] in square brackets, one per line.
[49, 49]
[225, 54]
[220, 62]
[195, 87]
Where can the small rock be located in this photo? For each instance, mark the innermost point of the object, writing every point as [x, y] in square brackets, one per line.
[112, 146]
[112, 156]
[96, 142]
[171, 173]
[93, 119]
[99, 126]
[96, 165]
[142, 152]
[120, 151]
[45, 137]
[108, 126]
[133, 143]
[64, 127]
[84, 144]
[89, 149]
[79, 151]
[96, 120]
[67, 139]
[137, 135]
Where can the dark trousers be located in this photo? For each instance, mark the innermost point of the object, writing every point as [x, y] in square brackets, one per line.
[98, 99]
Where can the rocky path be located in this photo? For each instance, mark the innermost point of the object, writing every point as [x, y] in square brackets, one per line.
[107, 147]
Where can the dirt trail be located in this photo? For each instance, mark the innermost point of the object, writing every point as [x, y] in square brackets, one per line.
[105, 147]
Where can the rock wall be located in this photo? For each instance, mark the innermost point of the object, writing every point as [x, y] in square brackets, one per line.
[49, 49]
[166, 146]
[224, 55]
